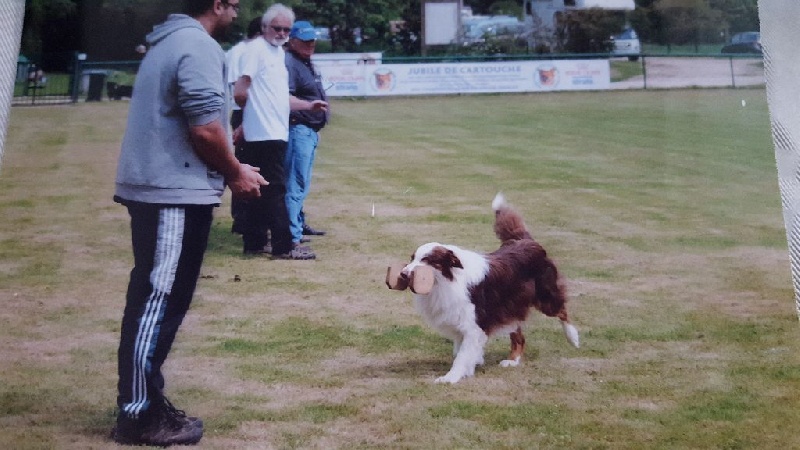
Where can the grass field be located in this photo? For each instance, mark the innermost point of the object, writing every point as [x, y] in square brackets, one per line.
[660, 207]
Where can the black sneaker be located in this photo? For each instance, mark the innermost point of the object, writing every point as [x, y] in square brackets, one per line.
[168, 430]
[180, 415]
[164, 426]
[128, 431]
[308, 231]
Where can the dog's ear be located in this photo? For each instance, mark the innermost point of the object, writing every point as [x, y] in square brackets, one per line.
[454, 261]
[447, 261]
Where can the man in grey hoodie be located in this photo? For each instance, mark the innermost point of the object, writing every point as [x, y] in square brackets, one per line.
[175, 161]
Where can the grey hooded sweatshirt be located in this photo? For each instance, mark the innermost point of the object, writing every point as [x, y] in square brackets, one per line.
[180, 83]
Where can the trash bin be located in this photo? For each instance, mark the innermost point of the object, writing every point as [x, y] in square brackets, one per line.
[97, 79]
[22, 69]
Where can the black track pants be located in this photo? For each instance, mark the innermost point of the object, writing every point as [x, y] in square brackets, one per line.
[168, 247]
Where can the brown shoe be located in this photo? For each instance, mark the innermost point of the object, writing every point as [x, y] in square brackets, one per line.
[298, 252]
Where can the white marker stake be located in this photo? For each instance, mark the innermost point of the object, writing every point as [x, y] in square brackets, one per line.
[373, 210]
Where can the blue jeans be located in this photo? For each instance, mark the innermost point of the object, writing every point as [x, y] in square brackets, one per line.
[298, 166]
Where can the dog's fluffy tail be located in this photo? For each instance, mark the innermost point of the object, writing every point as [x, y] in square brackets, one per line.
[508, 224]
[550, 298]
[572, 334]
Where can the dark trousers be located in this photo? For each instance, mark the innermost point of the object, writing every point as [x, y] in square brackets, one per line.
[237, 207]
[168, 247]
[267, 212]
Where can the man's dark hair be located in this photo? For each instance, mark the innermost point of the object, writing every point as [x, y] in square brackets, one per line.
[196, 8]
[254, 27]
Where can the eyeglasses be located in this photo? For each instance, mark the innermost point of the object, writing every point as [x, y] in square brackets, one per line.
[281, 29]
[235, 6]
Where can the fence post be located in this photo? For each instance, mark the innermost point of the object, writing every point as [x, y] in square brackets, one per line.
[76, 76]
[733, 77]
[644, 72]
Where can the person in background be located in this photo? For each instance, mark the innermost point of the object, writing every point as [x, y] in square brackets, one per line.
[304, 83]
[262, 91]
[232, 61]
[174, 162]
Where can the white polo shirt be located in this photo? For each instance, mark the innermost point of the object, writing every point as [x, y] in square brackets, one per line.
[266, 113]
[232, 64]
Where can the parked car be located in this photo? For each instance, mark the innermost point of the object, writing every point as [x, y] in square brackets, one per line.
[627, 44]
[747, 42]
[477, 29]
[323, 33]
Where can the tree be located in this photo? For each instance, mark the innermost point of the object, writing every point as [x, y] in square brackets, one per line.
[692, 21]
[112, 29]
[740, 15]
[505, 8]
[408, 39]
[49, 26]
[648, 22]
[352, 19]
[587, 31]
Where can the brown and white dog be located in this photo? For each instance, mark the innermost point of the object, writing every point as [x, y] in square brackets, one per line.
[476, 295]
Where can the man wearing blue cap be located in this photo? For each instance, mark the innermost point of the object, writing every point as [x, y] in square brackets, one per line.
[304, 83]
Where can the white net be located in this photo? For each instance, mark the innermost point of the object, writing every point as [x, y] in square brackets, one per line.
[779, 36]
[11, 15]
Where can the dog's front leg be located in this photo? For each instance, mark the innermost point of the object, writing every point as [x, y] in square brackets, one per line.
[457, 345]
[470, 354]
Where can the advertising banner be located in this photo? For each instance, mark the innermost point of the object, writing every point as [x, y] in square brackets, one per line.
[343, 74]
[466, 78]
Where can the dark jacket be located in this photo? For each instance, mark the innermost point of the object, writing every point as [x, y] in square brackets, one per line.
[306, 84]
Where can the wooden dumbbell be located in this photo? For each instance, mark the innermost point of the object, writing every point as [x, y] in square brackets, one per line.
[394, 280]
[421, 279]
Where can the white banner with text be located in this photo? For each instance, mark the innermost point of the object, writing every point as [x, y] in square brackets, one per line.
[465, 78]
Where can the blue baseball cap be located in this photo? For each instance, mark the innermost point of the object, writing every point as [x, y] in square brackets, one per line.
[304, 31]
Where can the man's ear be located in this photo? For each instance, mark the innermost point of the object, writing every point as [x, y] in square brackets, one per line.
[219, 7]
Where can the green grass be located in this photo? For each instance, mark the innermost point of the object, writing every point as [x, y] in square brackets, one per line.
[660, 207]
[623, 70]
[57, 84]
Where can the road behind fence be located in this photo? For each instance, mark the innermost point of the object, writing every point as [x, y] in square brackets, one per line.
[685, 71]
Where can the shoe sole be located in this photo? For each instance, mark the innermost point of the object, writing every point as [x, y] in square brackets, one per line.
[293, 258]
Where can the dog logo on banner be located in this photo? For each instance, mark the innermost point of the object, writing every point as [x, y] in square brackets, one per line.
[546, 76]
[383, 80]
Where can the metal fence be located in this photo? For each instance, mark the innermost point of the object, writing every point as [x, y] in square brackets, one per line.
[693, 70]
[87, 81]
[33, 86]
[113, 80]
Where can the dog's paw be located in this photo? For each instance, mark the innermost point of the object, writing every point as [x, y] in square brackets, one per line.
[510, 362]
[449, 378]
